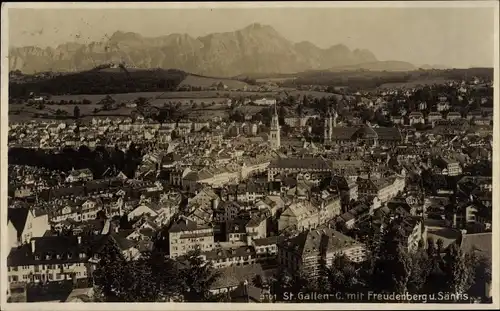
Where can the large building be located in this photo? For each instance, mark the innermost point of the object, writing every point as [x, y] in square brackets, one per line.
[388, 136]
[186, 235]
[55, 258]
[300, 216]
[308, 249]
[309, 168]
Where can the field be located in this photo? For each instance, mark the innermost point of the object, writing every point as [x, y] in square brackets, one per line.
[161, 97]
[275, 80]
[415, 83]
[158, 99]
[199, 81]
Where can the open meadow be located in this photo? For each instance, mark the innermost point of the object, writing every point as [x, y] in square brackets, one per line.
[209, 104]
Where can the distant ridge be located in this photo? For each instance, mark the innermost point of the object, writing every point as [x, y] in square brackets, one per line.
[254, 49]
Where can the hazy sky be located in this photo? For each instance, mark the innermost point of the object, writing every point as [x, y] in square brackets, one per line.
[459, 37]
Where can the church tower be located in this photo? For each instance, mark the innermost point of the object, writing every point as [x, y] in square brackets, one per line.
[329, 123]
[275, 137]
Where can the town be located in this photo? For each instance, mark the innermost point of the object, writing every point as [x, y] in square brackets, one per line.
[308, 193]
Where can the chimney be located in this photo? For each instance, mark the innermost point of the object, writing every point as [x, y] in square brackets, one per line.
[32, 246]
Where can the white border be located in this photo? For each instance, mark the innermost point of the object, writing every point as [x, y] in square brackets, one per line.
[241, 5]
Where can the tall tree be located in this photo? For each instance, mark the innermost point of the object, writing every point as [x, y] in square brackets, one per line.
[197, 277]
[391, 264]
[459, 269]
[76, 112]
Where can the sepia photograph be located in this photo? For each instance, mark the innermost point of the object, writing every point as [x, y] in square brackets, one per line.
[269, 152]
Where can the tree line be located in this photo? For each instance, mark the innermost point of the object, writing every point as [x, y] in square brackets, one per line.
[430, 271]
[97, 82]
[154, 277]
[98, 160]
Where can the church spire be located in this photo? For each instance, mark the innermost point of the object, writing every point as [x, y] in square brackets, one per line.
[275, 136]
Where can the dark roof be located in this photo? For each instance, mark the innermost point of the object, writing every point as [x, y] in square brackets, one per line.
[318, 241]
[67, 247]
[234, 275]
[343, 133]
[184, 224]
[123, 243]
[366, 132]
[237, 226]
[17, 216]
[388, 133]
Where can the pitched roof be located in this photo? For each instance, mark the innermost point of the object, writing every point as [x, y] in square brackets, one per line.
[481, 243]
[234, 275]
[388, 133]
[17, 216]
[67, 247]
[184, 224]
[318, 241]
[343, 133]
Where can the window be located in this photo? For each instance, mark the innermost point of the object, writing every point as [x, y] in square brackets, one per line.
[37, 268]
[51, 276]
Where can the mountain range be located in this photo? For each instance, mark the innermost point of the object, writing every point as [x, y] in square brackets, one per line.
[257, 49]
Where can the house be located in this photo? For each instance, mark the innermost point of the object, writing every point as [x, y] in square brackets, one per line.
[358, 214]
[223, 258]
[329, 208]
[397, 119]
[267, 248]
[226, 211]
[433, 117]
[414, 230]
[55, 258]
[142, 209]
[236, 231]
[443, 106]
[256, 228]
[300, 216]
[384, 188]
[305, 251]
[265, 102]
[448, 166]
[416, 117]
[453, 116]
[273, 203]
[80, 175]
[185, 235]
[37, 223]
[232, 276]
[128, 247]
